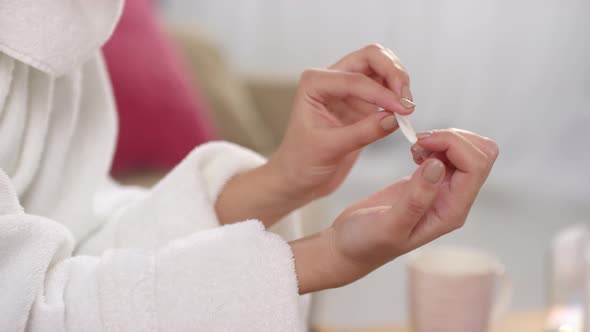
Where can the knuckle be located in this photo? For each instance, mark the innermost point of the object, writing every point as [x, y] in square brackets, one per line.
[374, 47]
[399, 72]
[459, 221]
[405, 181]
[457, 224]
[392, 53]
[307, 76]
[453, 133]
[456, 219]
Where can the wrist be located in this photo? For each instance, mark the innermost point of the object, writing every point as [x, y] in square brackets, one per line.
[287, 184]
[320, 264]
[317, 265]
[313, 263]
[259, 193]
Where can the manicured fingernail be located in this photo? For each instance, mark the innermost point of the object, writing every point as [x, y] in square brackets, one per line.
[407, 103]
[433, 171]
[407, 99]
[423, 134]
[388, 123]
[419, 153]
[425, 154]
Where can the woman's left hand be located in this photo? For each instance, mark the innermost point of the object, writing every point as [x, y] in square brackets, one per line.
[336, 114]
[435, 200]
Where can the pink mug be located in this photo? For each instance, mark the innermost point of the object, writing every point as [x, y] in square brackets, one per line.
[454, 289]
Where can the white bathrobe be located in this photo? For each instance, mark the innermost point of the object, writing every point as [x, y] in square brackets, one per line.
[80, 253]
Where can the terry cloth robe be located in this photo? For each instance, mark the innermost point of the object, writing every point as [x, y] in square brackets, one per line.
[78, 252]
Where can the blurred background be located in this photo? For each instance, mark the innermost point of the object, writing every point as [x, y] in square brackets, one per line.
[516, 71]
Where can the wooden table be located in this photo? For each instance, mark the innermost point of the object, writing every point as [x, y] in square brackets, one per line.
[516, 322]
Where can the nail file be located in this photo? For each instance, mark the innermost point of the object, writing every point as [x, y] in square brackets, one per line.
[406, 126]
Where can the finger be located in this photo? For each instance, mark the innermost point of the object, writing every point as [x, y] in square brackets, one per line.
[472, 165]
[419, 154]
[375, 59]
[351, 110]
[460, 151]
[485, 144]
[404, 85]
[420, 194]
[360, 134]
[377, 78]
[322, 85]
[361, 106]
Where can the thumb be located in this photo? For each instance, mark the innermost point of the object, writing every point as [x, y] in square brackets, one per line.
[364, 132]
[421, 192]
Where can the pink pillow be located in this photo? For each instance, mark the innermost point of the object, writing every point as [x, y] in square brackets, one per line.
[162, 116]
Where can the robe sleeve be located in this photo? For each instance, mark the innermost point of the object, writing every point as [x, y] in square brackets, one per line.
[181, 203]
[232, 278]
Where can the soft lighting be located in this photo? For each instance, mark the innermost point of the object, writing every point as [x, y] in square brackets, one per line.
[565, 328]
[565, 318]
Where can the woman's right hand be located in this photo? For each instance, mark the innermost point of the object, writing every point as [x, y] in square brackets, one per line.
[435, 200]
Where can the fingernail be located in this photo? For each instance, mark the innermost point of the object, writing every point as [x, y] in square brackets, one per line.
[416, 148]
[423, 134]
[388, 123]
[407, 103]
[419, 153]
[433, 171]
[425, 154]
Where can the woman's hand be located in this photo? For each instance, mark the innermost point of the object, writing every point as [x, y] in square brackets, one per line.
[335, 114]
[435, 200]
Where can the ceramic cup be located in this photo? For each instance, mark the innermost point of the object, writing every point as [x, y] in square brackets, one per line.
[454, 289]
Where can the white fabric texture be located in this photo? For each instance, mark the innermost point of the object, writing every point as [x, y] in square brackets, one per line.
[79, 252]
[56, 35]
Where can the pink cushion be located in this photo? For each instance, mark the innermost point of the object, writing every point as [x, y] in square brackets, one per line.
[161, 114]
